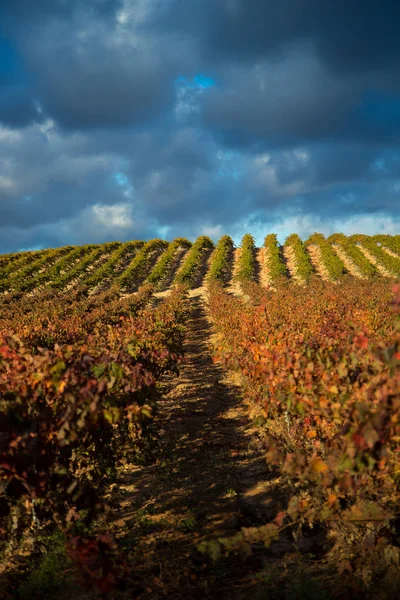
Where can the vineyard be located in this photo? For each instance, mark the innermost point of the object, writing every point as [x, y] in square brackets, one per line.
[199, 420]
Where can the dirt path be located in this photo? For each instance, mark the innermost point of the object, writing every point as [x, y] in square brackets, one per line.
[291, 266]
[382, 270]
[314, 253]
[234, 287]
[100, 260]
[349, 264]
[390, 252]
[118, 270]
[165, 285]
[209, 480]
[265, 275]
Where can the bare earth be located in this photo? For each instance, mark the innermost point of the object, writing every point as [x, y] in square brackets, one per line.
[290, 260]
[208, 480]
[382, 270]
[235, 287]
[390, 252]
[317, 262]
[265, 276]
[348, 263]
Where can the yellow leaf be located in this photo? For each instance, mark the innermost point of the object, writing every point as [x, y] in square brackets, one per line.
[318, 465]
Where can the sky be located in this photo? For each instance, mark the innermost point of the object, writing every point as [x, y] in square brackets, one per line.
[134, 119]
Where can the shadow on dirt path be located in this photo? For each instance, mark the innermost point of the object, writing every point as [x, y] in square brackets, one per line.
[208, 480]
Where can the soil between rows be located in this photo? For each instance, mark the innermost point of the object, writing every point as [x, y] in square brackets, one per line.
[209, 480]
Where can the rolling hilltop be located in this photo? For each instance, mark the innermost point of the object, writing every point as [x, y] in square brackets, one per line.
[128, 265]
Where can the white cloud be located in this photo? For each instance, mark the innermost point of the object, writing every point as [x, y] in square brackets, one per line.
[115, 216]
[6, 184]
[262, 159]
[48, 128]
[304, 225]
[187, 102]
[370, 225]
[9, 136]
[138, 12]
[212, 231]
[302, 155]
[188, 95]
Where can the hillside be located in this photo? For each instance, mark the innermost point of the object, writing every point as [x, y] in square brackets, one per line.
[185, 420]
[128, 265]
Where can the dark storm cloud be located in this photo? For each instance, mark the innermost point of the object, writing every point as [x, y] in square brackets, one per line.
[282, 102]
[17, 107]
[317, 60]
[349, 35]
[105, 86]
[327, 164]
[137, 118]
[343, 163]
[60, 200]
[87, 68]
[19, 13]
[294, 100]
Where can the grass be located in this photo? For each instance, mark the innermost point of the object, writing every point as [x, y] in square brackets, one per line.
[49, 573]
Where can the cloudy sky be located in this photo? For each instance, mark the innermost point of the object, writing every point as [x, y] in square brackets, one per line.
[131, 119]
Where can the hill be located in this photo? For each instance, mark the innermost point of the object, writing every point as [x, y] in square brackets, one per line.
[128, 265]
[201, 421]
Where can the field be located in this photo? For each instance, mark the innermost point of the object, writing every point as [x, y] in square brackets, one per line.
[185, 420]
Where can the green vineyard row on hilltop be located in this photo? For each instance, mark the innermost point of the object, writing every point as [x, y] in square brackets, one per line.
[302, 260]
[221, 261]
[390, 262]
[332, 263]
[160, 270]
[247, 260]
[276, 265]
[128, 265]
[354, 253]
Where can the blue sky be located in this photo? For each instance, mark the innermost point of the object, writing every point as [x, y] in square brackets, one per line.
[130, 119]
